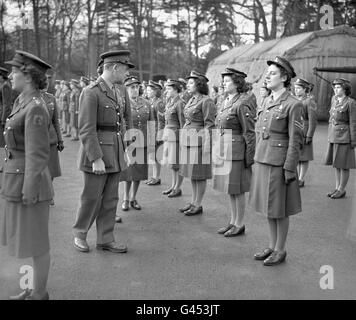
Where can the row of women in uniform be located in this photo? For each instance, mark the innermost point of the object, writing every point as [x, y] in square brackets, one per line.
[276, 137]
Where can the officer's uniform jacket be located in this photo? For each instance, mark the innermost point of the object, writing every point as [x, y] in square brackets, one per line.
[143, 119]
[174, 119]
[74, 101]
[54, 128]
[342, 121]
[64, 100]
[199, 113]
[309, 116]
[5, 101]
[235, 134]
[185, 95]
[99, 128]
[279, 132]
[26, 174]
[125, 108]
[158, 112]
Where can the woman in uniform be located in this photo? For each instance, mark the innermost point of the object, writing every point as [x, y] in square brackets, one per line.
[174, 117]
[195, 142]
[341, 136]
[27, 186]
[55, 136]
[141, 114]
[74, 108]
[154, 92]
[64, 102]
[301, 89]
[236, 141]
[279, 137]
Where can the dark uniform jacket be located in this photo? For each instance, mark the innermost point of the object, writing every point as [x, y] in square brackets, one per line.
[158, 109]
[125, 108]
[199, 113]
[26, 174]
[342, 121]
[99, 128]
[309, 116]
[236, 129]
[54, 129]
[74, 101]
[143, 119]
[5, 101]
[279, 132]
[174, 119]
[64, 100]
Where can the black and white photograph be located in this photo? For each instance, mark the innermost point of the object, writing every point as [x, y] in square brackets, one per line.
[183, 150]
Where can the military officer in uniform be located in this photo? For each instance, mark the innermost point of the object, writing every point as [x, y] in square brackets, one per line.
[27, 187]
[142, 117]
[195, 140]
[5, 102]
[301, 89]
[174, 118]
[102, 155]
[341, 136]
[235, 137]
[279, 136]
[74, 108]
[64, 102]
[154, 93]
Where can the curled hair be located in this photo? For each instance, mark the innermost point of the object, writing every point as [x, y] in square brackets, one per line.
[285, 73]
[240, 83]
[158, 92]
[177, 87]
[39, 78]
[100, 70]
[347, 88]
[201, 86]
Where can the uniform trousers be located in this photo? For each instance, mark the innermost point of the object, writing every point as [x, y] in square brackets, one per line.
[98, 202]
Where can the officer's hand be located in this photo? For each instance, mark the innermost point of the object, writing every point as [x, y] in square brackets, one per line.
[308, 140]
[289, 176]
[60, 146]
[29, 202]
[99, 166]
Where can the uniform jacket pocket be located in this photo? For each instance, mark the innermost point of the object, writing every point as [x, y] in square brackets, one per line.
[107, 147]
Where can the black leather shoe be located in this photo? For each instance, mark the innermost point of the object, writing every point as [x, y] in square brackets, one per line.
[194, 211]
[21, 296]
[118, 219]
[35, 297]
[235, 231]
[185, 208]
[331, 193]
[81, 245]
[264, 254]
[338, 194]
[224, 229]
[301, 183]
[168, 191]
[149, 181]
[275, 258]
[134, 204]
[112, 247]
[154, 182]
[175, 193]
[125, 205]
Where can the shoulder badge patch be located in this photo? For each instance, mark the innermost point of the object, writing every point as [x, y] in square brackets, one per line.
[38, 120]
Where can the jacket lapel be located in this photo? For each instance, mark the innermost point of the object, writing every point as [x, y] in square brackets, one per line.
[282, 97]
[105, 88]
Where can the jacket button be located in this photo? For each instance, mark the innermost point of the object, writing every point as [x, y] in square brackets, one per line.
[100, 142]
[279, 144]
[17, 170]
[264, 128]
[5, 159]
[8, 128]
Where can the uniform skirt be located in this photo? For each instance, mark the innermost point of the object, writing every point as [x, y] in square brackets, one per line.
[66, 116]
[171, 155]
[25, 229]
[53, 164]
[74, 120]
[340, 156]
[193, 165]
[2, 139]
[307, 153]
[238, 179]
[139, 170]
[270, 196]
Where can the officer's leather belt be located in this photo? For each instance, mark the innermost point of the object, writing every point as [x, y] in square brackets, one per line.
[266, 135]
[108, 128]
[335, 123]
[14, 154]
[229, 131]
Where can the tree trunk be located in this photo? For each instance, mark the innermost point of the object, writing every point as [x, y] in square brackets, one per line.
[273, 34]
[316, 25]
[106, 40]
[196, 35]
[257, 23]
[189, 38]
[36, 26]
[151, 36]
